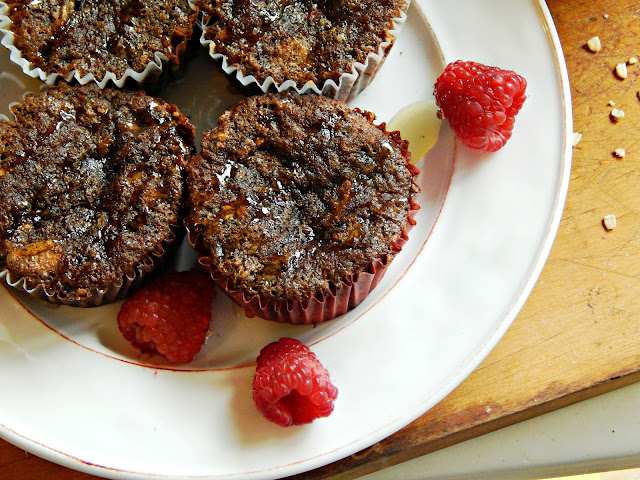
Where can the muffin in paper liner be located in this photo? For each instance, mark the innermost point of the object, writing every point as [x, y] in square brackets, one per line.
[91, 192]
[342, 83]
[159, 65]
[210, 205]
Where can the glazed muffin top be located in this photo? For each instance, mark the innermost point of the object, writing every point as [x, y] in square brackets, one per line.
[292, 193]
[299, 40]
[100, 36]
[91, 183]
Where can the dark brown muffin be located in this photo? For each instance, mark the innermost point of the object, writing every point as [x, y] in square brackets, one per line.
[91, 187]
[300, 40]
[296, 200]
[101, 37]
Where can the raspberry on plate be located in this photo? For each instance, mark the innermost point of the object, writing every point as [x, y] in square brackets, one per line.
[170, 315]
[480, 102]
[291, 386]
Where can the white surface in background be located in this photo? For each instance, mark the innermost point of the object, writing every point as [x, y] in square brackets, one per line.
[596, 435]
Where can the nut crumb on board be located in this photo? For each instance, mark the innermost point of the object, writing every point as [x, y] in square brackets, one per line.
[576, 138]
[619, 152]
[617, 114]
[609, 221]
[594, 44]
[621, 70]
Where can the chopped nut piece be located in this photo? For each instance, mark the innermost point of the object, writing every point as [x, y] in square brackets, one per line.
[606, 15]
[619, 152]
[621, 70]
[632, 61]
[576, 138]
[617, 114]
[594, 44]
[609, 221]
[612, 103]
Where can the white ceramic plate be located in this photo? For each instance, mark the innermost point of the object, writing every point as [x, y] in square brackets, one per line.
[75, 393]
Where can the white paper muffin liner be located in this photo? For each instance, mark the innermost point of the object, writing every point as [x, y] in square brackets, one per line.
[150, 75]
[349, 85]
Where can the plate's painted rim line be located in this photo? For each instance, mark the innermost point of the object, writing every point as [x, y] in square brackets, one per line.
[78, 464]
[131, 362]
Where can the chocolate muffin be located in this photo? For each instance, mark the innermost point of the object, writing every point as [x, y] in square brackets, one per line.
[298, 204]
[103, 39]
[334, 47]
[91, 191]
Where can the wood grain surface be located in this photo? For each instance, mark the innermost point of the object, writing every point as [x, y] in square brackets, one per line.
[577, 335]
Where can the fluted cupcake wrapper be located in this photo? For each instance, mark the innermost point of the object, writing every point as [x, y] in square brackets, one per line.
[93, 298]
[331, 304]
[149, 76]
[349, 85]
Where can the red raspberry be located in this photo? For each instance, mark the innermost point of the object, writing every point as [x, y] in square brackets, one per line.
[480, 102]
[291, 386]
[170, 315]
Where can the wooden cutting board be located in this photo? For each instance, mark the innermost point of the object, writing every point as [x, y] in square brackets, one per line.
[578, 334]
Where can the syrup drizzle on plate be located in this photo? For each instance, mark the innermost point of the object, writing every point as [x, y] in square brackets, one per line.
[418, 123]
